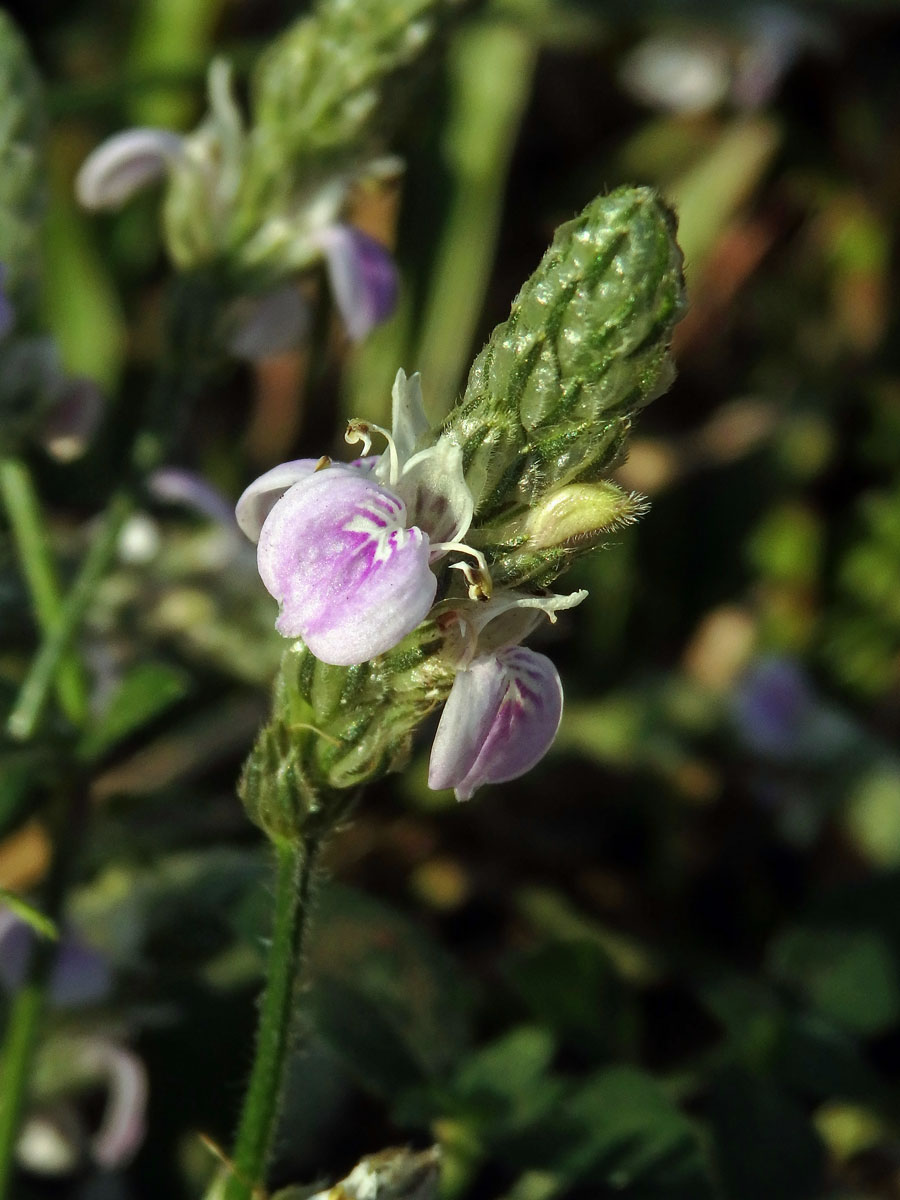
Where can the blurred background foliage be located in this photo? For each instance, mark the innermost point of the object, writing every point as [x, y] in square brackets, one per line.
[666, 964]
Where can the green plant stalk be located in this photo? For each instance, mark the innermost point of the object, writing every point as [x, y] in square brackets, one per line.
[15, 1063]
[30, 537]
[35, 691]
[26, 1014]
[191, 322]
[191, 325]
[295, 872]
[491, 70]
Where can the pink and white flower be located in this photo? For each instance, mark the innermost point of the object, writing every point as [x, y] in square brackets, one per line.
[210, 162]
[501, 717]
[348, 549]
[506, 703]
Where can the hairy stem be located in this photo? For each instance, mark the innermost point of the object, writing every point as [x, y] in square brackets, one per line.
[29, 531]
[295, 872]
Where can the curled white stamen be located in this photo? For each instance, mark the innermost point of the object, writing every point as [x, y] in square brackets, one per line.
[360, 431]
[478, 584]
[478, 578]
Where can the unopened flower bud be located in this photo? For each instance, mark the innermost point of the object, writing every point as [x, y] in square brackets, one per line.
[538, 543]
[579, 513]
[310, 113]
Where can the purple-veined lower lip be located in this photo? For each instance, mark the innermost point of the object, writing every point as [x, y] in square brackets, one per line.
[500, 719]
[351, 577]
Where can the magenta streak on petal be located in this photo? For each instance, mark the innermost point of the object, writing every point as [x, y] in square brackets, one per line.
[351, 578]
[495, 727]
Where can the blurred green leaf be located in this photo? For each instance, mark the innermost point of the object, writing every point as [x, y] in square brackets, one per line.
[552, 913]
[490, 71]
[366, 1036]
[709, 195]
[21, 772]
[23, 182]
[80, 302]
[178, 913]
[872, 814]
[849, 975]
[816, 1060]
[619, 1131]
[765, 1145]
[506, 1086]
[31, 916]
[574, 990]
[145, 692]
[170, 39]
[383, 994]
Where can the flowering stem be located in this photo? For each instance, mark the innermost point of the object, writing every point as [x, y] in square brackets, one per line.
[26, 1013]
[35, 691]
[29, 532]
[191, 324]
[295, 872]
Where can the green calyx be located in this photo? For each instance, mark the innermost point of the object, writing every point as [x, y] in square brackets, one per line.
[334, 729]
[550, 399]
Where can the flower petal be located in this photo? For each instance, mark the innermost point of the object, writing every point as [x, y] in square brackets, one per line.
[352, 579]
[123, 164]
[81, 975]
[258, 500]
[362, 275]
[410, 426]
[433, 486]
[501, 717]
[123, 1124]
[172, 485]
[466, 721]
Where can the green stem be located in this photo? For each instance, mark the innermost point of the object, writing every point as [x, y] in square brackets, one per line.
[35, 691]
[29, 530]
[191, 327]
[26, 1013]
[295, 871]
[18, 1050]
[491, 67]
